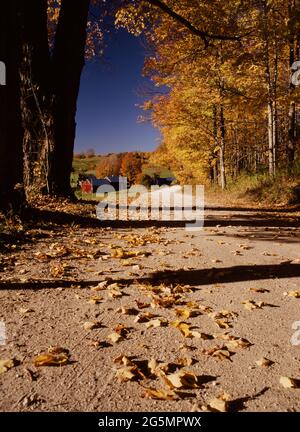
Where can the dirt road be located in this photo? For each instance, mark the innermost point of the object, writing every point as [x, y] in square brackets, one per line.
[211, 304]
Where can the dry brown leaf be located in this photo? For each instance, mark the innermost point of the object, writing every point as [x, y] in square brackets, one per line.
[100, 287]
[144, 317]
[127, 311]
[287, 382]
[127, 373]
[264, 362]
[25, 311]
[114, 292]
[142, 305]
[251, 305]
[259, 290]
[59, 359]
[124, 360]
[7, 364]
[218, 404]
[184, 313]
[222, 353]
[183, 327]
[238, 343]
[95, 300]
[203, 336]
[159, 394]
[155, 323]
[152, 366]
[90, 325]
[181, 380]
[115, 337]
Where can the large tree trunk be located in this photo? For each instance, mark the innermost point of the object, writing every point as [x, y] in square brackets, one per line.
[36, 95]
[68, 62]
[10, 118]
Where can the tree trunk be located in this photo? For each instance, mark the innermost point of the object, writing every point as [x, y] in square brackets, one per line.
[222, 148]
[10, 118]
[272, 138]
[294, 50]
[36, 95]
[68, 62]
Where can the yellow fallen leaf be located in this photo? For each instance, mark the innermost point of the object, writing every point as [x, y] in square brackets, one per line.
[115, 337]
[264, 362]
[127, 311]
[127, 373]
[155, 323]
[152, 366]
[238, 343]
[90, 325]
[100, 287]
[6, 364]
[159, 394]
[287, 382]
[51, 360]
[222, 353]
[95, 300]
[183, 313]
[25, 311]
[294, 293]
[181, 380]
[124, 360]
[182, 327]
[218, 404]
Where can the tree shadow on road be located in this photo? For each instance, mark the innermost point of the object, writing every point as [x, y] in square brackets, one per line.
[197, 278]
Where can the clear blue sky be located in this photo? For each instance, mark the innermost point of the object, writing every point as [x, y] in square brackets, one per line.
[110, 90]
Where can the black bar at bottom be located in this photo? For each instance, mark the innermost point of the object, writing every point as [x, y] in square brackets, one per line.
[146, 421]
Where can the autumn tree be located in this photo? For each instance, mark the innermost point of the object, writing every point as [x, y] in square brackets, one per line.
[109, 165]
[131, 166]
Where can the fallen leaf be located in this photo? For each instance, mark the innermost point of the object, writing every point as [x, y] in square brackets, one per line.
[115, 337]
[51, 360]
[127, 373]
[7, 364]
[95, 300]
[287, 382]
[222, 353]
[144, 317]
[181, 380]
[203, 336]
[90, 325]
[155, 323]
[182, 327]
[159, 394]
[259, 290]
[25, 311]
[294, 293]
[127, 311]
[152, 366]
[218, 404]
[264, 362]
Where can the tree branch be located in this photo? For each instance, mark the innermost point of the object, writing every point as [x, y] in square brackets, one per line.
[200, 33]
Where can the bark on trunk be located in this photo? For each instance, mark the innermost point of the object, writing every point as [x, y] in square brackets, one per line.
[10, 118]
[36, 95]
[222, 149]
[68, 62]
